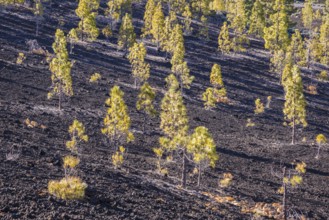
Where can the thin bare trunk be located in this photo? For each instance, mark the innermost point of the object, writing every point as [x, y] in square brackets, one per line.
[199, 175]
[284, 197]
[184, 171]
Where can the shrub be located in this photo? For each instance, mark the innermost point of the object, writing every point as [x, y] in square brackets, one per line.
[323, 75]
[250, 123]
[95, 78]
[259, 107]
[117, 158]
[107, 32]
[69, 188]
[21, 57]
[226, 181]
[70, 162]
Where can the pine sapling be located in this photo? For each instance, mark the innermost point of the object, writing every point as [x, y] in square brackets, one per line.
[320, 141]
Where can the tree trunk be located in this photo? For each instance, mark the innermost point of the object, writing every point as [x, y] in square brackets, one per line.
[199, 175]
[284, 197]
[60, 99]
[184, 171]
[144, 122]
[293, 131]
[37, 27]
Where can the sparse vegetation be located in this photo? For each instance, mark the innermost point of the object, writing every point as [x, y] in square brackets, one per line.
[263, 48]
[95, 78]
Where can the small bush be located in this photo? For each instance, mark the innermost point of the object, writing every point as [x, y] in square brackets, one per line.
[226, 181]
[107, 32]
[259, 107]
[250, 123]
[117, 158]
[95, 78]
[312, 89]
[71, 162]
[21, 57]
[69, 188]
[323, 75]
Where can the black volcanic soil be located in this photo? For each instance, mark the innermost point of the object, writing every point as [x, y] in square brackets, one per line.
[136, 191]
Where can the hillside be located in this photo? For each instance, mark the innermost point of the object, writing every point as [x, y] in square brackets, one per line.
[136, 191]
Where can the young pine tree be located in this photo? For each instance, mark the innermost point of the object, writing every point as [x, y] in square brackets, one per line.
[148, 16]
[145, 102]
[187, 15]
[204, 29]
[203, 149]
[38, 12]
[157, 25]
[174, 123]
[295, 103]
[117, 121]
[112, 12]
[257, 19]
[140, 69]
[218, 92]
[73, 38]
[60, 67]
[78, 135]
[127, 36]
[224, 41]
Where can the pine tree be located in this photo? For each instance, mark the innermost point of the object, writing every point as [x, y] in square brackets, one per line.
[77, 133]
[157, 25]
[295, 103]
[165, 41]
[60, 67]
[203, 149]
[38, 12]
[276, 35]
[224, 42]
[174, 122]
[145, 102]
[324, 40]
[179, 66]
[140, 69]
[148, 16]
[87, 11]
[117, 121]
[307, 14]
[257, 19]
[297, 49]
[127, 36]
